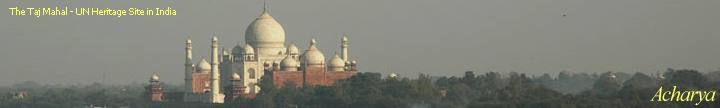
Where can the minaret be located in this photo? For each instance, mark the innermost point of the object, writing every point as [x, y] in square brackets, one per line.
[156, 91]
[215, 74]
[188, 65]
[220, 55]
[344, 48]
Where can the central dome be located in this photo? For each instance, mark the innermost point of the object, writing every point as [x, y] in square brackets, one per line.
[265, 32]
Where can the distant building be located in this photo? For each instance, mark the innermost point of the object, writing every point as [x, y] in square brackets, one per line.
[231, 74]
[21, 95]
[156, 90]
[312, 69]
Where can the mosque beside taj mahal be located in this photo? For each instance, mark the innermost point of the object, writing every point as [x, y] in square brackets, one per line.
[230, 74]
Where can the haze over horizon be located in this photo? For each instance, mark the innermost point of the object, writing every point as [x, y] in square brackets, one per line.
[402, 36]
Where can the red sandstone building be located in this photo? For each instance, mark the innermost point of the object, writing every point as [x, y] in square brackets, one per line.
[311, 75]
[230, 74]
[155, 89]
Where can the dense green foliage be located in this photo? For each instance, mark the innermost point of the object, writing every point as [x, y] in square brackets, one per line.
[372, 90]
[488, 90]
[56, 96]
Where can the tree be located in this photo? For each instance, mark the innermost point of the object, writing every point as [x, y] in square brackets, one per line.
[685, 78]
[606, 86]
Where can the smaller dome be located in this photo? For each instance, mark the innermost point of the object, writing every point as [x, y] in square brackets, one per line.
[313, 56]
[154, 77]
[203, 65]
[288, 62]
[237, 50]
[235, 76]
[393, 75]
[337, 62]
[292, 49]
[248, 49]
[225, 51]
[354, 62]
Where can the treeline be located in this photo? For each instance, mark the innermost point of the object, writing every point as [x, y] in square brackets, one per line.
[33, 95]
[490, 90]
[372, 90]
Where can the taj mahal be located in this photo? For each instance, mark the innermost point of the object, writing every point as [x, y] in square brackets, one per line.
[230, 74]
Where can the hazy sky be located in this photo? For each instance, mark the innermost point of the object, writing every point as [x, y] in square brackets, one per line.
[439, 37]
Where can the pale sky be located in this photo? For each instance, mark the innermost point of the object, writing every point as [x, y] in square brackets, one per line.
[439, 37]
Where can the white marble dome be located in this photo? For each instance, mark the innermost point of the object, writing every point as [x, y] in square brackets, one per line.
[292, 49]
[313, 56]
[235, 76]
[248, 49]
[155, 77]
[288, 64]
[265, 31]
[337, 62]
[203, 65]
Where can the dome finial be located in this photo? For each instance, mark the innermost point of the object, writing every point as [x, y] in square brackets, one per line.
[312, 41]
[188, 39]
[265, 6]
